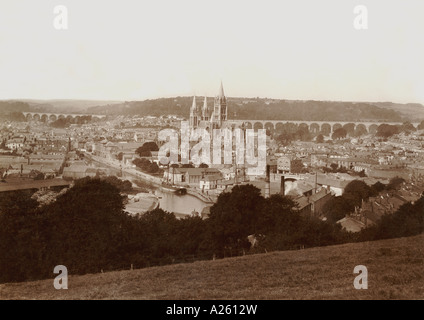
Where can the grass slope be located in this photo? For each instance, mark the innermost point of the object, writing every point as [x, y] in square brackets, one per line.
[395, 271]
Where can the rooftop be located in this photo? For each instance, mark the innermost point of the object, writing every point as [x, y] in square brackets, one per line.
[32, 184]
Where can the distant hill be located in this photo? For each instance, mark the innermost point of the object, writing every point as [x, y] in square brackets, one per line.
[66, 105]
[13, 106]
[273, 109]
[411, 110]
[394, 272]
[238, 108]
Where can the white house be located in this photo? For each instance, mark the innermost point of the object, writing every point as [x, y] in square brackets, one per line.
[210, 182]
[15, 143]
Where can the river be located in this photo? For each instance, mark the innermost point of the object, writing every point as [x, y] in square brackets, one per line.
[168, 201]
[184, 204]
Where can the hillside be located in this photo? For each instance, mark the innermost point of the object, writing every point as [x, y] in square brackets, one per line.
[395, 271]
[65, 105]
[13, 106]
[266, 109]
[238, 108]
[410, 110]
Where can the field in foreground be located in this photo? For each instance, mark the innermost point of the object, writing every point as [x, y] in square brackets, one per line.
[395, 271]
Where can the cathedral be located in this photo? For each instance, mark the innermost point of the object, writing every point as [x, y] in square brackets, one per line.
[208, 118]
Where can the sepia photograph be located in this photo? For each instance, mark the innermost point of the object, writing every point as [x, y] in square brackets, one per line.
[210, 156]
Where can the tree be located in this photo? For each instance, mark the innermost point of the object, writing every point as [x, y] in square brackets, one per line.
[119, 156]
[203, 165]
[320, 138]
[83, 229]
[303, 134]
[326, 170]
[339, 133]
[350, 128]
[362, 173]
[421, 125]
[342, 169]
[191, 233]
[17, 203]
[278, 215]
[233, 217]
[395, 183]
[378, 187]
[86, 225]
[16, 116]
[60, 123]
[356, 191]
[3, 145]
[145, 154]
[360, 131]
[336, 209]
[146, 148]
[38, 175]
[160, 232]
[334, 167]
[123, 186]
[408, 220]
[407, 127]
[285, 138]
[146, 165]
[387, 130]
[153, 168]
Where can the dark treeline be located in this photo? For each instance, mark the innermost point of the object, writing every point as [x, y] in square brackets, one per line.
[147, 166]
[66, 122]
[87, 230]
[260, 109]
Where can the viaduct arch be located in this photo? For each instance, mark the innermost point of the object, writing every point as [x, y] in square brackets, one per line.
[55, 116]
[324, 127]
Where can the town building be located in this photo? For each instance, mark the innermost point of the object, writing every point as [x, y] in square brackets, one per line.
[191, 176]
[312, 205]
[289, 164]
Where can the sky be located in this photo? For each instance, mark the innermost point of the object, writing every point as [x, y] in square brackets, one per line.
[137, 49]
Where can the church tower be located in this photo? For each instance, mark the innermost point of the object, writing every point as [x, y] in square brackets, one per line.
[193, 122]
[219, 109]
[205, 110]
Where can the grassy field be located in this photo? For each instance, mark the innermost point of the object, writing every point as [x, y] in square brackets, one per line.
[395, 271]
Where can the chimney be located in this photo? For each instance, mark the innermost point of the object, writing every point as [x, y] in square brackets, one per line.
[267, 182]
[282, 186]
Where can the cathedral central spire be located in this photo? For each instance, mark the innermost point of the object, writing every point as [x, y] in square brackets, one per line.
[219, 109]
[221, 91]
